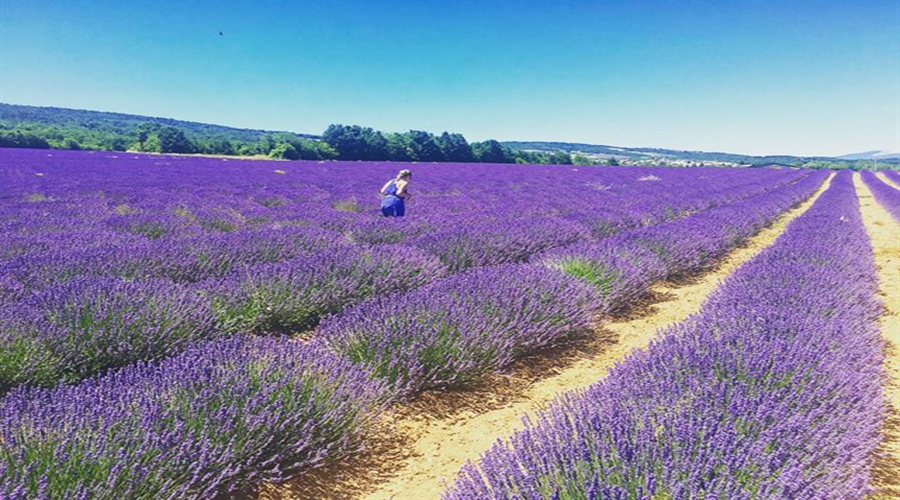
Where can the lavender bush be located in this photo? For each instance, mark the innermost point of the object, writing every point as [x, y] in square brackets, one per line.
[292, 296]
[81, 328]
[893, 175]
[621, 275]
[185, 260]
[503, 242]
[772, 391]
[456, 330]
[200, 425]
[886, 195]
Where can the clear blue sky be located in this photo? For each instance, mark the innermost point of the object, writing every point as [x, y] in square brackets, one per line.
[760, 77]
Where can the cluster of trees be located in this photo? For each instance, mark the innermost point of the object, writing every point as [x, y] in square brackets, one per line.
[22, 139]
[155, 137]
[290, 147]
[851, 164]
[53, 128]
[353, 142]
[41, 136]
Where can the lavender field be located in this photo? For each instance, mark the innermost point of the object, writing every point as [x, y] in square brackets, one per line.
[187, 327]
[772, 391]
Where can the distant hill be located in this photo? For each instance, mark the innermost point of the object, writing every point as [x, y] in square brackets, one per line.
[121, 123]
[658, 153]
[872, 155]
[62, 128]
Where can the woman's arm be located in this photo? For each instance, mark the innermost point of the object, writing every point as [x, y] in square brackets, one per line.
[384, 188]
[401, 189]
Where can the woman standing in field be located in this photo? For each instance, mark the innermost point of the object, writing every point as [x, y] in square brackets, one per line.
[395, 192]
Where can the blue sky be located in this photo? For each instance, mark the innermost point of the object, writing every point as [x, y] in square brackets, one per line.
[758, 77]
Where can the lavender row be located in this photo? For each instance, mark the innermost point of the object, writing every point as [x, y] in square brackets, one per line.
[457, 329]
[887, 196]
[460, 328]
[83, 327]
[187, 260]
[893, 175]
[772, 391]
[623, 267]
[204, 424]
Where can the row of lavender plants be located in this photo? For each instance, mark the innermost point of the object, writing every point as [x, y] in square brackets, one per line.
[69, 331]
[893, 175]
[887, 196]
[771, 391]
[200, 425]
[623, 266]
[458, 329]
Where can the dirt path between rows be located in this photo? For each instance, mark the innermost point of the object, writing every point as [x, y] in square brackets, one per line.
[884, 232]
[422, 446]
[887, 180]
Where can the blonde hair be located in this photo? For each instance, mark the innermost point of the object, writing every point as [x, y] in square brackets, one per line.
[404, 173]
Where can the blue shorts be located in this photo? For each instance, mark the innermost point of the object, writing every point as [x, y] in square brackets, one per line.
[392, 206]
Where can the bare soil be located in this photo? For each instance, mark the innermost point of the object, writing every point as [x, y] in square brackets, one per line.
[887, 180]
[884, 232]
[420, 446]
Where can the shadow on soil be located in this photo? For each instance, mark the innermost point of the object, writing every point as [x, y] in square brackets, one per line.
[886, 473]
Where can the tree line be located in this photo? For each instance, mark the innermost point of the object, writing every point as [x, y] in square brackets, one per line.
[152, 137]
[354, 142]
[338, 142]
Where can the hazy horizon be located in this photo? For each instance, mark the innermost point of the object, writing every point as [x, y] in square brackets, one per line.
[760, 78]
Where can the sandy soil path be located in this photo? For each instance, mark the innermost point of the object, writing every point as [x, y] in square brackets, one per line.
[423, 445]
[885, 234]
[887, 180]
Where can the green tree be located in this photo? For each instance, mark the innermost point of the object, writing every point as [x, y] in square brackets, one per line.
[491, 151]
[398, 148]
[455, 148]
[285, 151]
[151, 145]
[315, 150]
[173, 140]
[145, 130]
[424, 147]
[580, 159]
[265, 145]
[353, 142]
[19, 139]
[560, 158]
